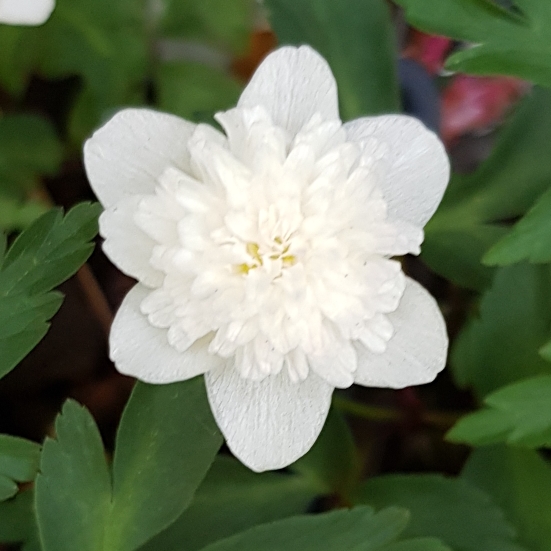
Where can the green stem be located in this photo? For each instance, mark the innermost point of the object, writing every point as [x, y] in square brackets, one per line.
[439, 419]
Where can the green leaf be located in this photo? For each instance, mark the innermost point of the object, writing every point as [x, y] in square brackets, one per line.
[8, 488]
[16, 215]
[456, 512]
[518, 414]
[506, 41]
[166, 442]
[359, 529]
[231, 499]
[356, 37]
[501, 345]
[103, 41]
[19, 458]
[224, 24]
[17, 519]
[195, 91]
[470, 218]
[530, 239]
[43, 256]
[18, 46]
[29, 148]
[73, 488]
[332, 464]
[519, 481]
[165, 445]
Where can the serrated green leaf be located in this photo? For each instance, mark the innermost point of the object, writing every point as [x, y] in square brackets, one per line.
[443, 508]
[359, 529]
[530, 239]
[223, 24]
[50, 251]
[149, 466]
[166, 442]
[518, 414]
[232, 499]
[332, 464]
[73, 488]
[470, 218]
[501, 345]
[519, 482]
[356, 37]
[195, 91]
[511, 42]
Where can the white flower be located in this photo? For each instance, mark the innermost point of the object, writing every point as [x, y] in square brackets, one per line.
[25, 12]
[262, 254]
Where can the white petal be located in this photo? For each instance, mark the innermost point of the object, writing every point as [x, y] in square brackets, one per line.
[417, 351]
[25, 12]
[418, 171]
[140, 350]
[127, 155]
[268, 424]
[126, 245]
[293, 84]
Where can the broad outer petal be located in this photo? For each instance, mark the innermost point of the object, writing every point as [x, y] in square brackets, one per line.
[268, 424]
[25, 12]
[293, 84]
[419, 168]
[127, 155]
[140, 350]
[126, 245]
[417, 351]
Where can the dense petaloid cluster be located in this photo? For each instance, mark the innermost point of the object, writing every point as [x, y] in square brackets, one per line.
[263, 252]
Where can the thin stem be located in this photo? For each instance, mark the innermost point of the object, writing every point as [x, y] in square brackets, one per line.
[439, 419]
[99, 306]
[93, 293]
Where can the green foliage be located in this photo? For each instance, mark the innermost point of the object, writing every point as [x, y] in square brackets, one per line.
[501, 345]
[42, 257]
[78, 507]
[365, 67]
[332, 465]
[73, 489]
[17, 520]
[530, 239]
[359, 529]
[470, 218]
[507, 41]
[18, 463]
[519, 481]
[165, 445]
[519, 414]
[194, 91]
[104, 41]
[217, 22]
[443, 508]
[29, 148]
[232, 499]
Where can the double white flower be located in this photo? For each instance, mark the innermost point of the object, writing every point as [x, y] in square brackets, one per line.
[263, 253]
[25, 12]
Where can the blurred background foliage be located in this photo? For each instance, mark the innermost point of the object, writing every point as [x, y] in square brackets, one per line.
[483, 486]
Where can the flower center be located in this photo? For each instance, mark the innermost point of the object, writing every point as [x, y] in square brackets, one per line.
[279, 252]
